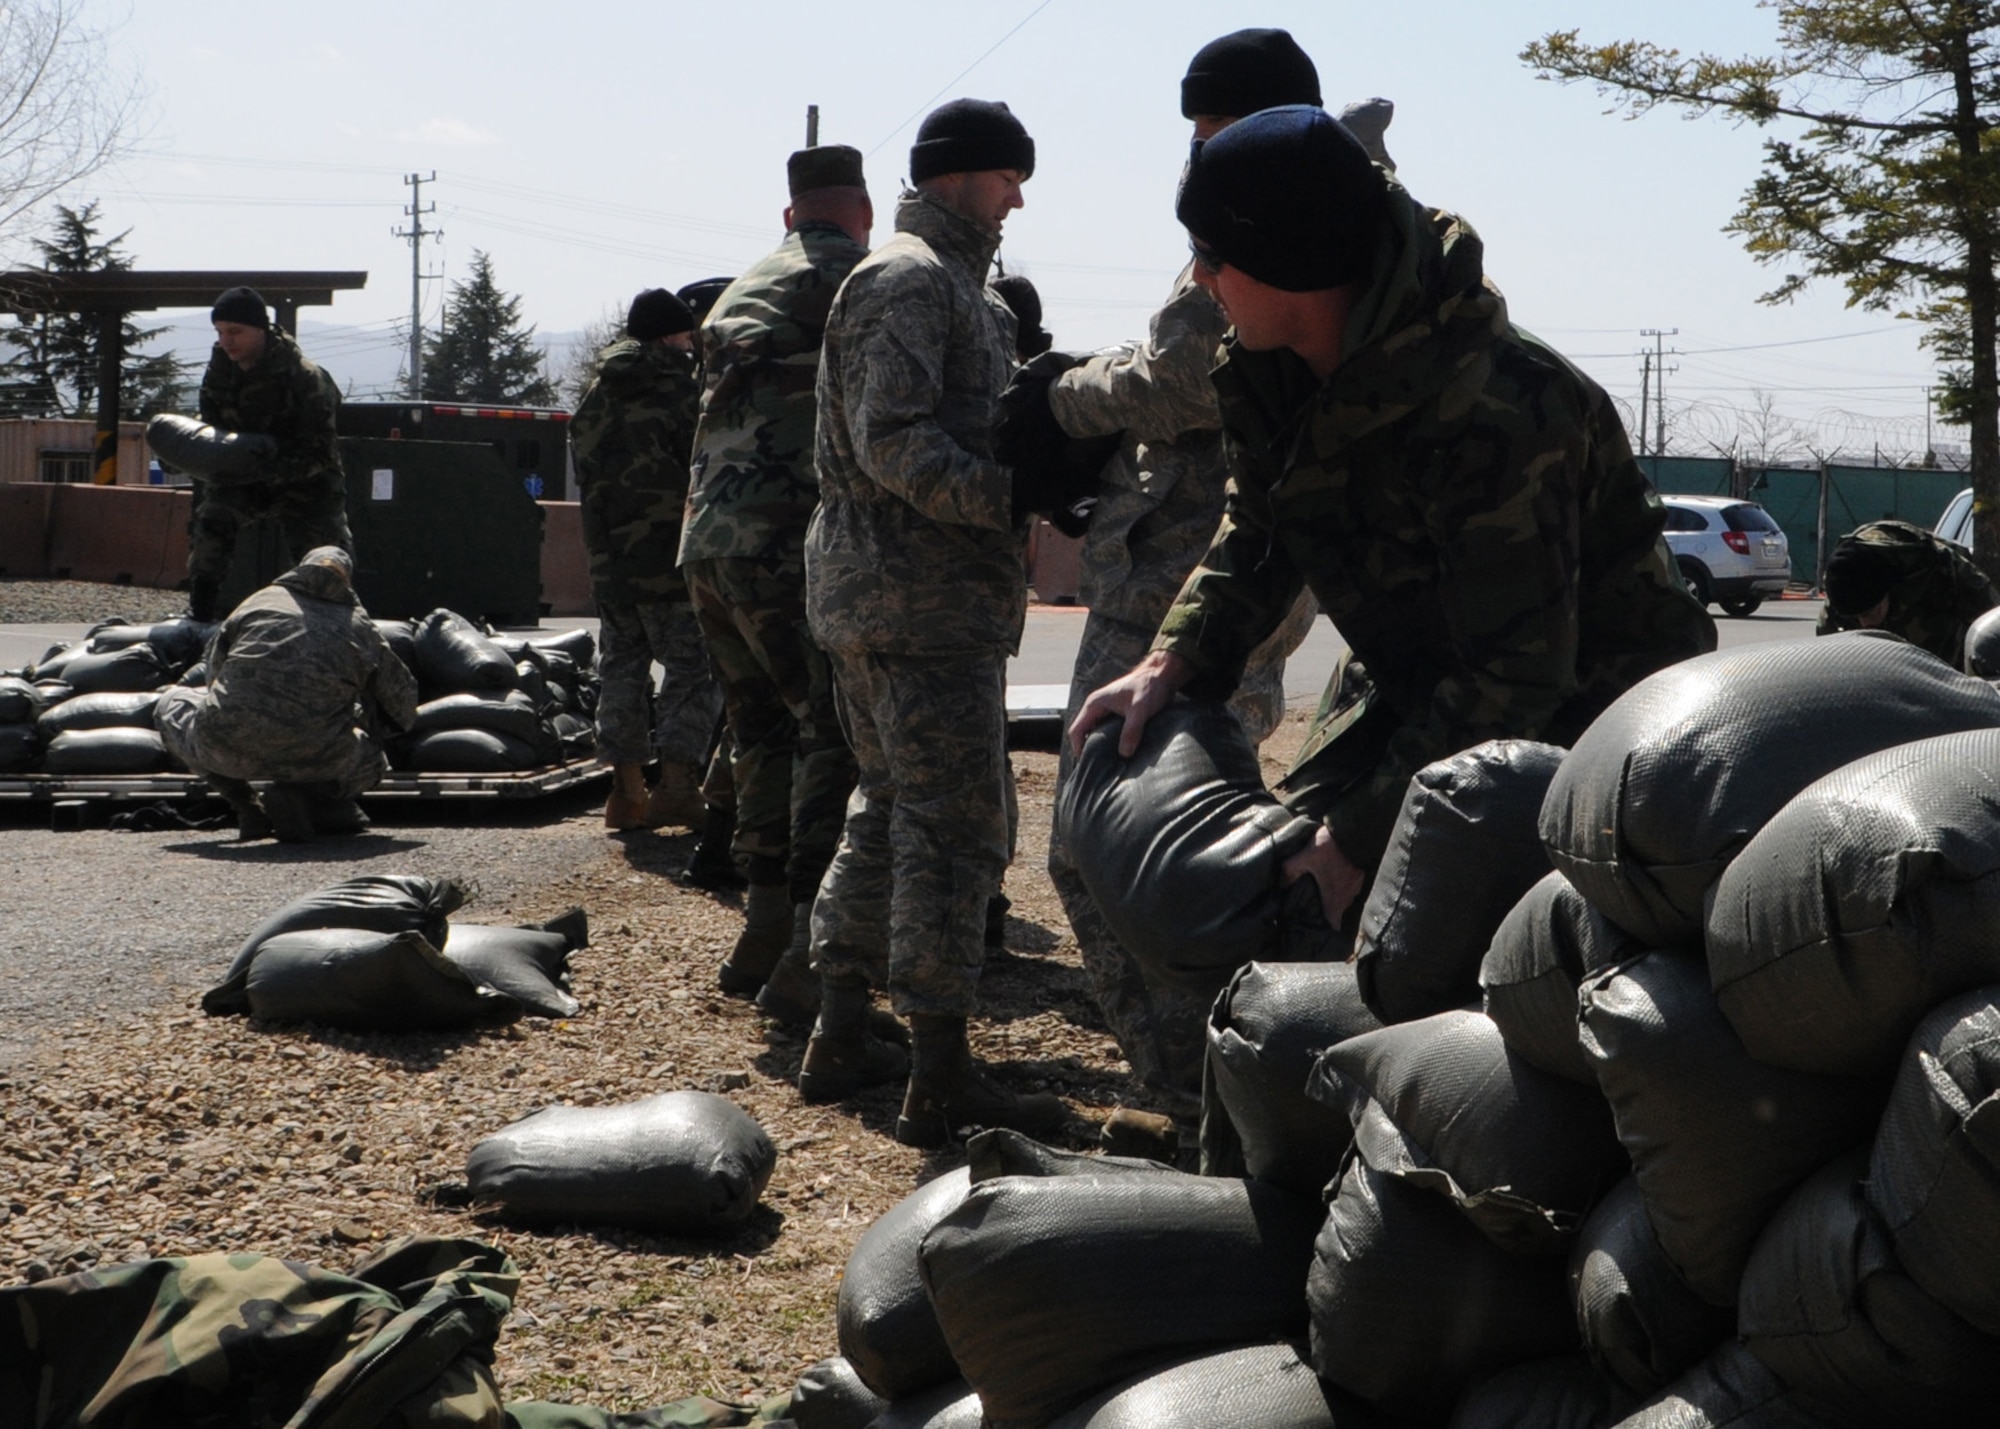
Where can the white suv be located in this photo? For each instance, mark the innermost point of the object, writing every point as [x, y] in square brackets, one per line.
[1956, 523]
[1729, 551]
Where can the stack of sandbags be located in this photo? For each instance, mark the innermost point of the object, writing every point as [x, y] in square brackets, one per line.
[488, 707]
[92, 700]
[21, 706]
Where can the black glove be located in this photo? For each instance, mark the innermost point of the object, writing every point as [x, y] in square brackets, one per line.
[1055, 475]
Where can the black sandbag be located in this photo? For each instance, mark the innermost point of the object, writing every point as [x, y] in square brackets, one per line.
[951, 1405]
[680, 1163]
[1264, 1034]
[1669, 783]
[471, 751]
[378, 902]
[578, 645]
[1731, 1389]
[1640, 1320]
[1827, 1306]
[368, 982]
[181, 641]
[830, 1395]
[1864, 902]
[193, 446]
[19, 747]
[401, 638]
[998, 1151]
[453, 655]
[20, 701]
[1465, 847]
[53, 660]
[136, 667]
[1411, 1303]
[106, 751]
[1934, 1177]
[1982, 646]
[577, 735]
[512, 714]
[1717, 1140]
[559, 670]
[1181, 846]
[1265, 1385]
[1566, 1392]
[53, 691]
[532, 682]
[113, 709]
[530, 965]
[1444, 1104]
[1546, 946]
[883, 1319]
[115, 635]
[1049, 1290]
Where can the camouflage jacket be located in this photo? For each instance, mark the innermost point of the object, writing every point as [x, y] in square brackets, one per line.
[1161, 499]
[914, 549]
[1938, 591]
[284, 396]
[753, 488]
[630, 437]
[1465, 505]
[404, 1340]
[292, 672]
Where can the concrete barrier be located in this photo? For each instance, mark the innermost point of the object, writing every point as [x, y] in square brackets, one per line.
[126, 535]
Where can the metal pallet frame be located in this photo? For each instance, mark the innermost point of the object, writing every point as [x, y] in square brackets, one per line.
[397, 784]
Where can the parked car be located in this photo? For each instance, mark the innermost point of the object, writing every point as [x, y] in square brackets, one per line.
[1956, 523]
[1730, 552]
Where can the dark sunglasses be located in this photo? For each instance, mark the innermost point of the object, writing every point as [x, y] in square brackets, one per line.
[1209, 260]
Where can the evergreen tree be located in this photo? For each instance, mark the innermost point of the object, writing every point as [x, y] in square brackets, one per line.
[481, 353]
[54, 369]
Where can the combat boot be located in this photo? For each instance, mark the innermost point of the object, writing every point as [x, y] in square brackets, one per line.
[712, 867]
[1129, 1132]
[341, 818]
[626, 808]
[790, 995]
[948, 1089]
[767, 932]
[676, 798]
[844, 1057]
[290, 810]
[251, 822]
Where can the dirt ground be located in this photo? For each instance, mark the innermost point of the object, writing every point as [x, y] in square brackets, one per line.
[172, 1133]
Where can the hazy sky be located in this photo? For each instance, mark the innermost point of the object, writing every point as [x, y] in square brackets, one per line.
[609, 145]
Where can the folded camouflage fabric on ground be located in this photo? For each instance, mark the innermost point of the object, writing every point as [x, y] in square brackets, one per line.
[696, 1413]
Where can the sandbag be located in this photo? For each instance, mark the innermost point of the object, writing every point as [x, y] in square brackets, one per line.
[20, 701]
[1411, 1303]
[471, 751]
[1934, 1177]
[1863, 903]
[454, 655]
[50, 666]
[1640, 1320]
[998, 1151]
[115, 634]
[1268, 1386]
[401, 638]
[1717, 1141]
[883, 1319]
[1731, 1389]
[1665, 787]
[19, 745]
[368, 982]
[680, 1163]
[193, 446]
[951, 1405]
[1562, 1393]
[1546, 945]
[577, 735]
[1827, 1306]
[1181, 847]
[512, 714]
[530, 965]
[1049, 1290]
[112, 709]
[830, 1395]
[1264, 1034]
[577, 645]
[136, 667]
[1464, 849]
[531, 682]
[378, 902]
[1444, 1104]
[181, 641]
[1982, 646]
[106, 751]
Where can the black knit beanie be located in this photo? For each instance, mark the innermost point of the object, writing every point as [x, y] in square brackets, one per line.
[1288, 196]
[241, 305]
[967, 136]
[1250, 70]
[657, 313]
[1858, 575]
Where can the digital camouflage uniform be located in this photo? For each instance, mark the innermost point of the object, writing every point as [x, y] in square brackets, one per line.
[743, 554]
[299, 682]
[630, 436]
[1157, 510]
[1464, 504]
[916, 590]
[1936, 591]
[285, 396]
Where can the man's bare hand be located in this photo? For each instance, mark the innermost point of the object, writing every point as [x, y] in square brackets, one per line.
[1135, 696]
[1339, 879]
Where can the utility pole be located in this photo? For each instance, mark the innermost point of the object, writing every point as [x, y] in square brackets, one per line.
[812, 126]
[416, 233]
[1659, 336]
[1645, 394]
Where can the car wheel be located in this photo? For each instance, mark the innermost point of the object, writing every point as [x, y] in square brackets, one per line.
[1696, 581]
[1747, 605]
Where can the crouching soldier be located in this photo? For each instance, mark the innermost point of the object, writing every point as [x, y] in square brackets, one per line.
[1890, 575]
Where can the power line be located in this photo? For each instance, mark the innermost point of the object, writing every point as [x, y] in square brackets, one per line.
[924, 108]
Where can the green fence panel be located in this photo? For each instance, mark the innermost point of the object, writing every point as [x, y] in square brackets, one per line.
[1791, 495]
[1689, 475]
[1859, 494]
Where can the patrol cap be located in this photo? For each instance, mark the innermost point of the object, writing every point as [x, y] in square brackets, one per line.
[701, 294]
[966, 136]
[1248, 70]
[657, 313]
[825, 166]
[241, 305]
[1288, 196]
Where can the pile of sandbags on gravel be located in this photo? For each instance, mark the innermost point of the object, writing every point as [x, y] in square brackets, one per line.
[87, 707]
[379, 954]
[491, 705]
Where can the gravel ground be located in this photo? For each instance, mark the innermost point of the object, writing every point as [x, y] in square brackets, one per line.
[50, 602]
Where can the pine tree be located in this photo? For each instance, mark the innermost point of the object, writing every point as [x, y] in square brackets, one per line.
[54, 371]
[481, 353]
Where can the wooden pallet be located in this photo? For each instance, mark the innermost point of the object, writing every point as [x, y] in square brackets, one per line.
[397, 784]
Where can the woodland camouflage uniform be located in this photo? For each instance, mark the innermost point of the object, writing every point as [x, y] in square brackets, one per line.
[916, 590]
[1935, 588]
[1466, 508]
[630, 436]
[743, 554]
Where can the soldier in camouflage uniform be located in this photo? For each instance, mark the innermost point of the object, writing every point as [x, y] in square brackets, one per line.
[915, 589]
[1461, 500]
[630, 436]
[1891, 575]
[259, 381]
[743, 553]
[300, 686]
